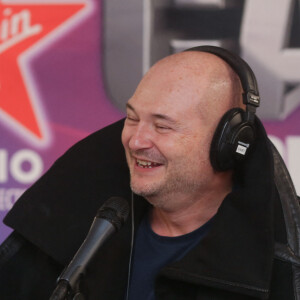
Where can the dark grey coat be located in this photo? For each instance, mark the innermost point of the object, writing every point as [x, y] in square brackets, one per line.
[251, 252]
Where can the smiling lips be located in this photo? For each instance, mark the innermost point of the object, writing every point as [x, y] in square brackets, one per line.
[146, 164]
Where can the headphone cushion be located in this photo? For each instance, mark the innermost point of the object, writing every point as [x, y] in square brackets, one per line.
[232, 138]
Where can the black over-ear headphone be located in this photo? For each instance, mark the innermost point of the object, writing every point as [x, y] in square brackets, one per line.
[235, 133]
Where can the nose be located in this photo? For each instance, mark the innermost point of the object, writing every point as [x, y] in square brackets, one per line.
[140, 138]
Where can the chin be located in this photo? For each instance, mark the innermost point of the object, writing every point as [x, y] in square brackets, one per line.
[143, 191]
[146, 191]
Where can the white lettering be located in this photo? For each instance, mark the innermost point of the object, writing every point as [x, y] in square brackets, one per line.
[14, 28]
[4, 29]
[36, 166]
[8, 197]
[25, 166]
[3, 165]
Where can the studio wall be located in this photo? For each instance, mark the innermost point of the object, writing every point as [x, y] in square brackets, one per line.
[67, 68]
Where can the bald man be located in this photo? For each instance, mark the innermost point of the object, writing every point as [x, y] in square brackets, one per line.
[195, 232]
[171, 119]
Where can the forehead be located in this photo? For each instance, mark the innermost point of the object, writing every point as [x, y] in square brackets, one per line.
[186, 85]
[168, 90]
[169, 105]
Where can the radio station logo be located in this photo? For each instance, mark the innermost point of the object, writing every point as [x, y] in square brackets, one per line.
[26, 28]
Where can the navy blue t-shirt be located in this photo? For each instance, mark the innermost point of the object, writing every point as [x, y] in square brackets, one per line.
[152, 252]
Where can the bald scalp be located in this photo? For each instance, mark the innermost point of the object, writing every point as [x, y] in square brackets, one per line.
[208, 76]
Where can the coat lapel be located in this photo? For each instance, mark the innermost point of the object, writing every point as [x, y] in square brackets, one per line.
[237, 254]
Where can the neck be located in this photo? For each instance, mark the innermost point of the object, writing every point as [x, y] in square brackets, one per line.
[189, 213]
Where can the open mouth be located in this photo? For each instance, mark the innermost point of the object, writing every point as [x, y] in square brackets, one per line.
[146, 164]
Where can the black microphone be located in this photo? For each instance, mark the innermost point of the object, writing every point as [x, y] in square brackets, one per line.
[109, 219]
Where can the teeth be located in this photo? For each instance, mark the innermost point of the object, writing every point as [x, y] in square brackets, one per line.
[146, 164]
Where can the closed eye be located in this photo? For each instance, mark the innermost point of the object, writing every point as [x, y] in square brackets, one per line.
[131, 118]
[131, 114]
[162, 128]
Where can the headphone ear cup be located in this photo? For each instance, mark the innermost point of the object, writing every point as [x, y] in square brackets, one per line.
[231, 140]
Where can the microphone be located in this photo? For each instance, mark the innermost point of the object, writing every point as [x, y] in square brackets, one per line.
[108, 220]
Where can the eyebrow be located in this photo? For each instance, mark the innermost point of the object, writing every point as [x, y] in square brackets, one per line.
[158, 116]
[130, 107]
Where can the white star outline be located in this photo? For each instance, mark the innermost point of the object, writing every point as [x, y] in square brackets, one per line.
[24, 61]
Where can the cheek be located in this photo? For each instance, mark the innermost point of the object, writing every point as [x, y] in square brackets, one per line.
[199, 148]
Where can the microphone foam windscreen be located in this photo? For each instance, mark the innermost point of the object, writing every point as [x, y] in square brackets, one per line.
[114, 210]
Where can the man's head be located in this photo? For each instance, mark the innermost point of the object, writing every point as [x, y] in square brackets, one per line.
[171, 119]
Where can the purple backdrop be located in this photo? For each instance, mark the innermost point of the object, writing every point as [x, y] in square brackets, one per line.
[61, 69]
[66, 74]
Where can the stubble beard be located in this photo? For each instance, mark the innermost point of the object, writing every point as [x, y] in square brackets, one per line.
[164, 194]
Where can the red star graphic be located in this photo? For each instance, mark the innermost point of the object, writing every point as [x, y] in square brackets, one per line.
[21, 26]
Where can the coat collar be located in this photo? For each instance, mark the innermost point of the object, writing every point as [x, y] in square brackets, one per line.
[237, 254]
